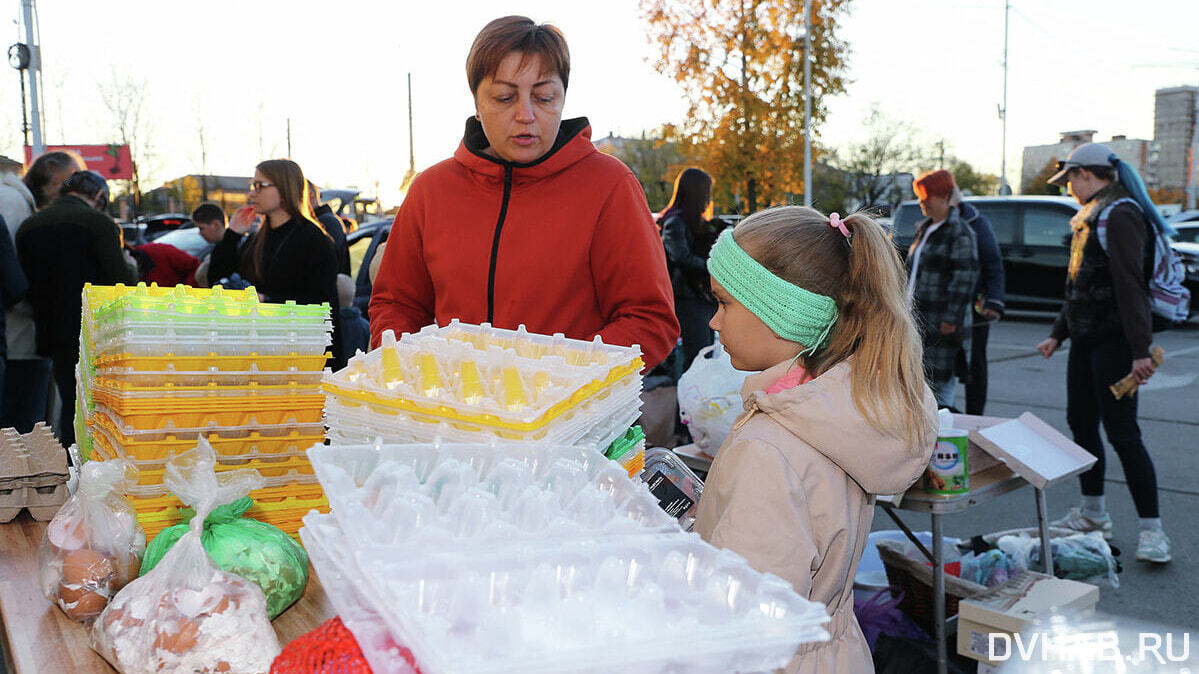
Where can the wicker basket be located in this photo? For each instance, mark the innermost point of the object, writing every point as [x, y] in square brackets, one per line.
[915, 578]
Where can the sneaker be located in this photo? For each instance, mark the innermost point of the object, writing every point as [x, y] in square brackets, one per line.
[1153, 546]
[1075, 520]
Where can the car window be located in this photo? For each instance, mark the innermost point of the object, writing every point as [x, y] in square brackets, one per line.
[1004, 220]
[1045, 226]
[1187, 235]
[903, 230]
[357, 252]
[186, 240]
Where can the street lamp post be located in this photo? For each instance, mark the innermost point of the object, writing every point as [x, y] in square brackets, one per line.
[807, 106]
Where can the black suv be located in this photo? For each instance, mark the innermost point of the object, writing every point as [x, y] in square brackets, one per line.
[1034, 239]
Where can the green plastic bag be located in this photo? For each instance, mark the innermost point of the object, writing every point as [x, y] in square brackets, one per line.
[254, 550]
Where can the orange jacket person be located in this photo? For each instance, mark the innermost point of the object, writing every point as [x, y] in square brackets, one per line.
[528, 223]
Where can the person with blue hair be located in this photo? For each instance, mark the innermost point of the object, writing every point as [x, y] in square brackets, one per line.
[1107, 313]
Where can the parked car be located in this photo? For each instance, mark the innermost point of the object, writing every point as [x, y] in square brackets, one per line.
[1034, 239]
[188, 240]
[363, 243]
[155, 226]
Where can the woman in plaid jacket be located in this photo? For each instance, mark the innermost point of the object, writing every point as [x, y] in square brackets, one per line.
[942, 268]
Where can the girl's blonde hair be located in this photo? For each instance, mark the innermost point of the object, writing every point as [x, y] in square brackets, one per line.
[866, 280]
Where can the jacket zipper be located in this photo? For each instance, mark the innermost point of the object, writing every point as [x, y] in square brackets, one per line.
[495, 244]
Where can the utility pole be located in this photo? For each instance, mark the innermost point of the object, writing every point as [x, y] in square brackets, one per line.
[411, 151]
[289, 137]
[807, 106]
[1004, 188]
[941, 153]
[28, 12]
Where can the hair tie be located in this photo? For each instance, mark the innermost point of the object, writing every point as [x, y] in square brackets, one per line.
[834, 221]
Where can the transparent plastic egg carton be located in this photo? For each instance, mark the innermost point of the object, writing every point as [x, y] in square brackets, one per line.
[524, 344]
[379, 647]
[629, 604]
[139, 344]
[454, 379]
[397, 499]
[596, 423]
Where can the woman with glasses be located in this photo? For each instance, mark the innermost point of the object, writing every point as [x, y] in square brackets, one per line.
[289, 257]
[527, 223]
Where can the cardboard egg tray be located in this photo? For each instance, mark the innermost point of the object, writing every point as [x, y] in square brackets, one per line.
[33, 473]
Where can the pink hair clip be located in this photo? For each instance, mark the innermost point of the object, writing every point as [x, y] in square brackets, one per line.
[834, 221]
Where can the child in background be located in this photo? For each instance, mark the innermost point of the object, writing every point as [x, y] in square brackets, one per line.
[841, 410]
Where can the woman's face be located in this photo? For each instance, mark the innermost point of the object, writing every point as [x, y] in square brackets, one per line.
[750, 343]
[264, 196]
[520, 108]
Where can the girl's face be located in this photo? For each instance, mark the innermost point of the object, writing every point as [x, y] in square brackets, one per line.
[750, 343]
[265, 196]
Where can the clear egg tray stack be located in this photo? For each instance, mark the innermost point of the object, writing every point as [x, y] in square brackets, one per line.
[159, 367]
[471, 383]
[508, 557]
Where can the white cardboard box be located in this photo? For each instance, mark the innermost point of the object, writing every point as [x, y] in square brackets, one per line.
[1034, 450]
[1011, 607]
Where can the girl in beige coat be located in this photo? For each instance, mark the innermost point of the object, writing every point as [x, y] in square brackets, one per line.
[840, 412]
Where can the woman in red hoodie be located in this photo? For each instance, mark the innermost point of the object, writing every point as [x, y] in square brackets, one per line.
[527, 223]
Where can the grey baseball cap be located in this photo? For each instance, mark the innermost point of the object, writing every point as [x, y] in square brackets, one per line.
[1091, 154]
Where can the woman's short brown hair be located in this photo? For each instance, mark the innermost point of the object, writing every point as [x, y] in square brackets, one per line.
[516, 34]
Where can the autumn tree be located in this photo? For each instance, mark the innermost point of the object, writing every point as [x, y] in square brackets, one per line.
[740, 64]
[970, 180]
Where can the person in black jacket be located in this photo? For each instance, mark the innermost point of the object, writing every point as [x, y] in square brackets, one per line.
[688, 235]
[1107, 314]
[328, 220]
[62, 247]
[12, 288]
[988, 302]
[290, 257]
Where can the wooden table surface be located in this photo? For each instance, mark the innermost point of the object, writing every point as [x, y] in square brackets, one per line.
[39, 639]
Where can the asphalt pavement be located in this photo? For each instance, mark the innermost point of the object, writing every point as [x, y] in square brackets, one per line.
[1021, 380]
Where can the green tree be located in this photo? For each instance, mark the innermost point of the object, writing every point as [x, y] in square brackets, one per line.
[875, 167]
[1039, 184]
[740, 64]
[654, 160]
[971, 181]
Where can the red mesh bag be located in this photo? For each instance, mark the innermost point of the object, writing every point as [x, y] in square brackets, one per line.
[329, 649]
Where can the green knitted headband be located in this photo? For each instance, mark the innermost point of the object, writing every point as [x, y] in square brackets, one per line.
[793, 313]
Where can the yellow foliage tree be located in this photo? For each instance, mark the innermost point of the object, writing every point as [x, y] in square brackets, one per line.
[740, 63]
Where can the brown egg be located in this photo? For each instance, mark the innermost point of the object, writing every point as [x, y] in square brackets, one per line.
[84, 588]
[178, 641]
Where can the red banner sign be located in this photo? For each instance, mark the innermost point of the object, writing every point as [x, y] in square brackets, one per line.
[111, 161]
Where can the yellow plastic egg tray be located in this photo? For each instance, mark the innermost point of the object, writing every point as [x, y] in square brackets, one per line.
[112, 444]
[297, 465]
[240, 363]
[284, 505]
[195, 414]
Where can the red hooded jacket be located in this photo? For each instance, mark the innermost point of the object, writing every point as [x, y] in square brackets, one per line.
[564, 244]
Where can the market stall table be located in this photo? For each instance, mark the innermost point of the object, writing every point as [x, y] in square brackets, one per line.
[39, 639]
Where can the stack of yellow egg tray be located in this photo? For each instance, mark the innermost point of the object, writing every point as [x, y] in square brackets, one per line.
[471, 383]
[159, 367]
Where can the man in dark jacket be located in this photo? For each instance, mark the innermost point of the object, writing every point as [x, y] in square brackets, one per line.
[1107, 314]
[332, 225]
[988, 302]
[62, 247]
[12, 289]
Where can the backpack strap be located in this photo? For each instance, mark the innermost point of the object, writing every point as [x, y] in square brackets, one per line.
[1101, 224]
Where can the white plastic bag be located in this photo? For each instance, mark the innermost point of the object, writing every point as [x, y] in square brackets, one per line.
[186, 614]
[710, 397]
[93, 547]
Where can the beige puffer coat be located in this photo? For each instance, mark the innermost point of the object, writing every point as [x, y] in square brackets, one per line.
[791, 491]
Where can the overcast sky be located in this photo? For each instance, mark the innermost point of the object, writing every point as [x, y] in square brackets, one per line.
[338, 70]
